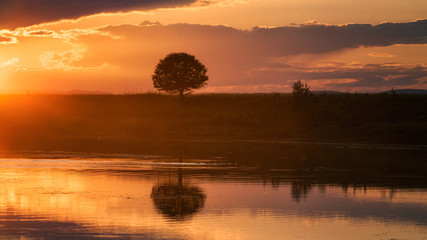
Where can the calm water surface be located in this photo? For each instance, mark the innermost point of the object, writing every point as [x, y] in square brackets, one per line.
[149, 197]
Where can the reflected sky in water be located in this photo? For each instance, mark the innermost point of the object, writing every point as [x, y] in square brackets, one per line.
[155, 198]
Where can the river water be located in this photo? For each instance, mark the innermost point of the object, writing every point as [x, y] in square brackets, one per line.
[59, 195]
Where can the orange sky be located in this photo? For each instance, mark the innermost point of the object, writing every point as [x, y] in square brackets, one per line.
[247, 45]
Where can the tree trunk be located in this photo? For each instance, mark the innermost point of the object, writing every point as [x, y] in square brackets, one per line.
[181, 95]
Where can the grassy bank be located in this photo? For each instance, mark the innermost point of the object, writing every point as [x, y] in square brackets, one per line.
[377, 118]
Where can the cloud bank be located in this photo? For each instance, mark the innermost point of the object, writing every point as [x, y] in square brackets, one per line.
[21, 13]
[320, 38]
[279, 41]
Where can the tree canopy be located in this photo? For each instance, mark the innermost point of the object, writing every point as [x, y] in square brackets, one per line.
[179, 73]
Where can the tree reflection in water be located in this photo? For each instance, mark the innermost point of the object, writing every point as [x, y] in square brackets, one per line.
[178, 201]
[300, 190]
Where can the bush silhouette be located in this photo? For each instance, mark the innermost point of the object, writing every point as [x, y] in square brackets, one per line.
[179, 73]
[300, 89]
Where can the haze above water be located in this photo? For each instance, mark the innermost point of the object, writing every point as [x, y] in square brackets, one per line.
[57, 195]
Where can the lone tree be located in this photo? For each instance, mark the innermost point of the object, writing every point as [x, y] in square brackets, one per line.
[179, 73]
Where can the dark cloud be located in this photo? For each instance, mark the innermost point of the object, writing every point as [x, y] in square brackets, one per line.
[19, 13]
[326, 38]
[282, 41]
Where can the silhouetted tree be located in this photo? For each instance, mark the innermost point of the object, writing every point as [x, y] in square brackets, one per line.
[300, 89]
[179, 73]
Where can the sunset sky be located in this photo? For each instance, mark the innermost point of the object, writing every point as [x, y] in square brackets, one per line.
[247, 45]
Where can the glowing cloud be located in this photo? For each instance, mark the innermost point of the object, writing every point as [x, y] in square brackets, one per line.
[380, 55]
[9, 62]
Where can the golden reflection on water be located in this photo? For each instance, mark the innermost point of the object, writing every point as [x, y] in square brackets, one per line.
[95, 198]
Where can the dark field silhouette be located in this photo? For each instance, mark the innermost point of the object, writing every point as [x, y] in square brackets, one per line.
[368, 118]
